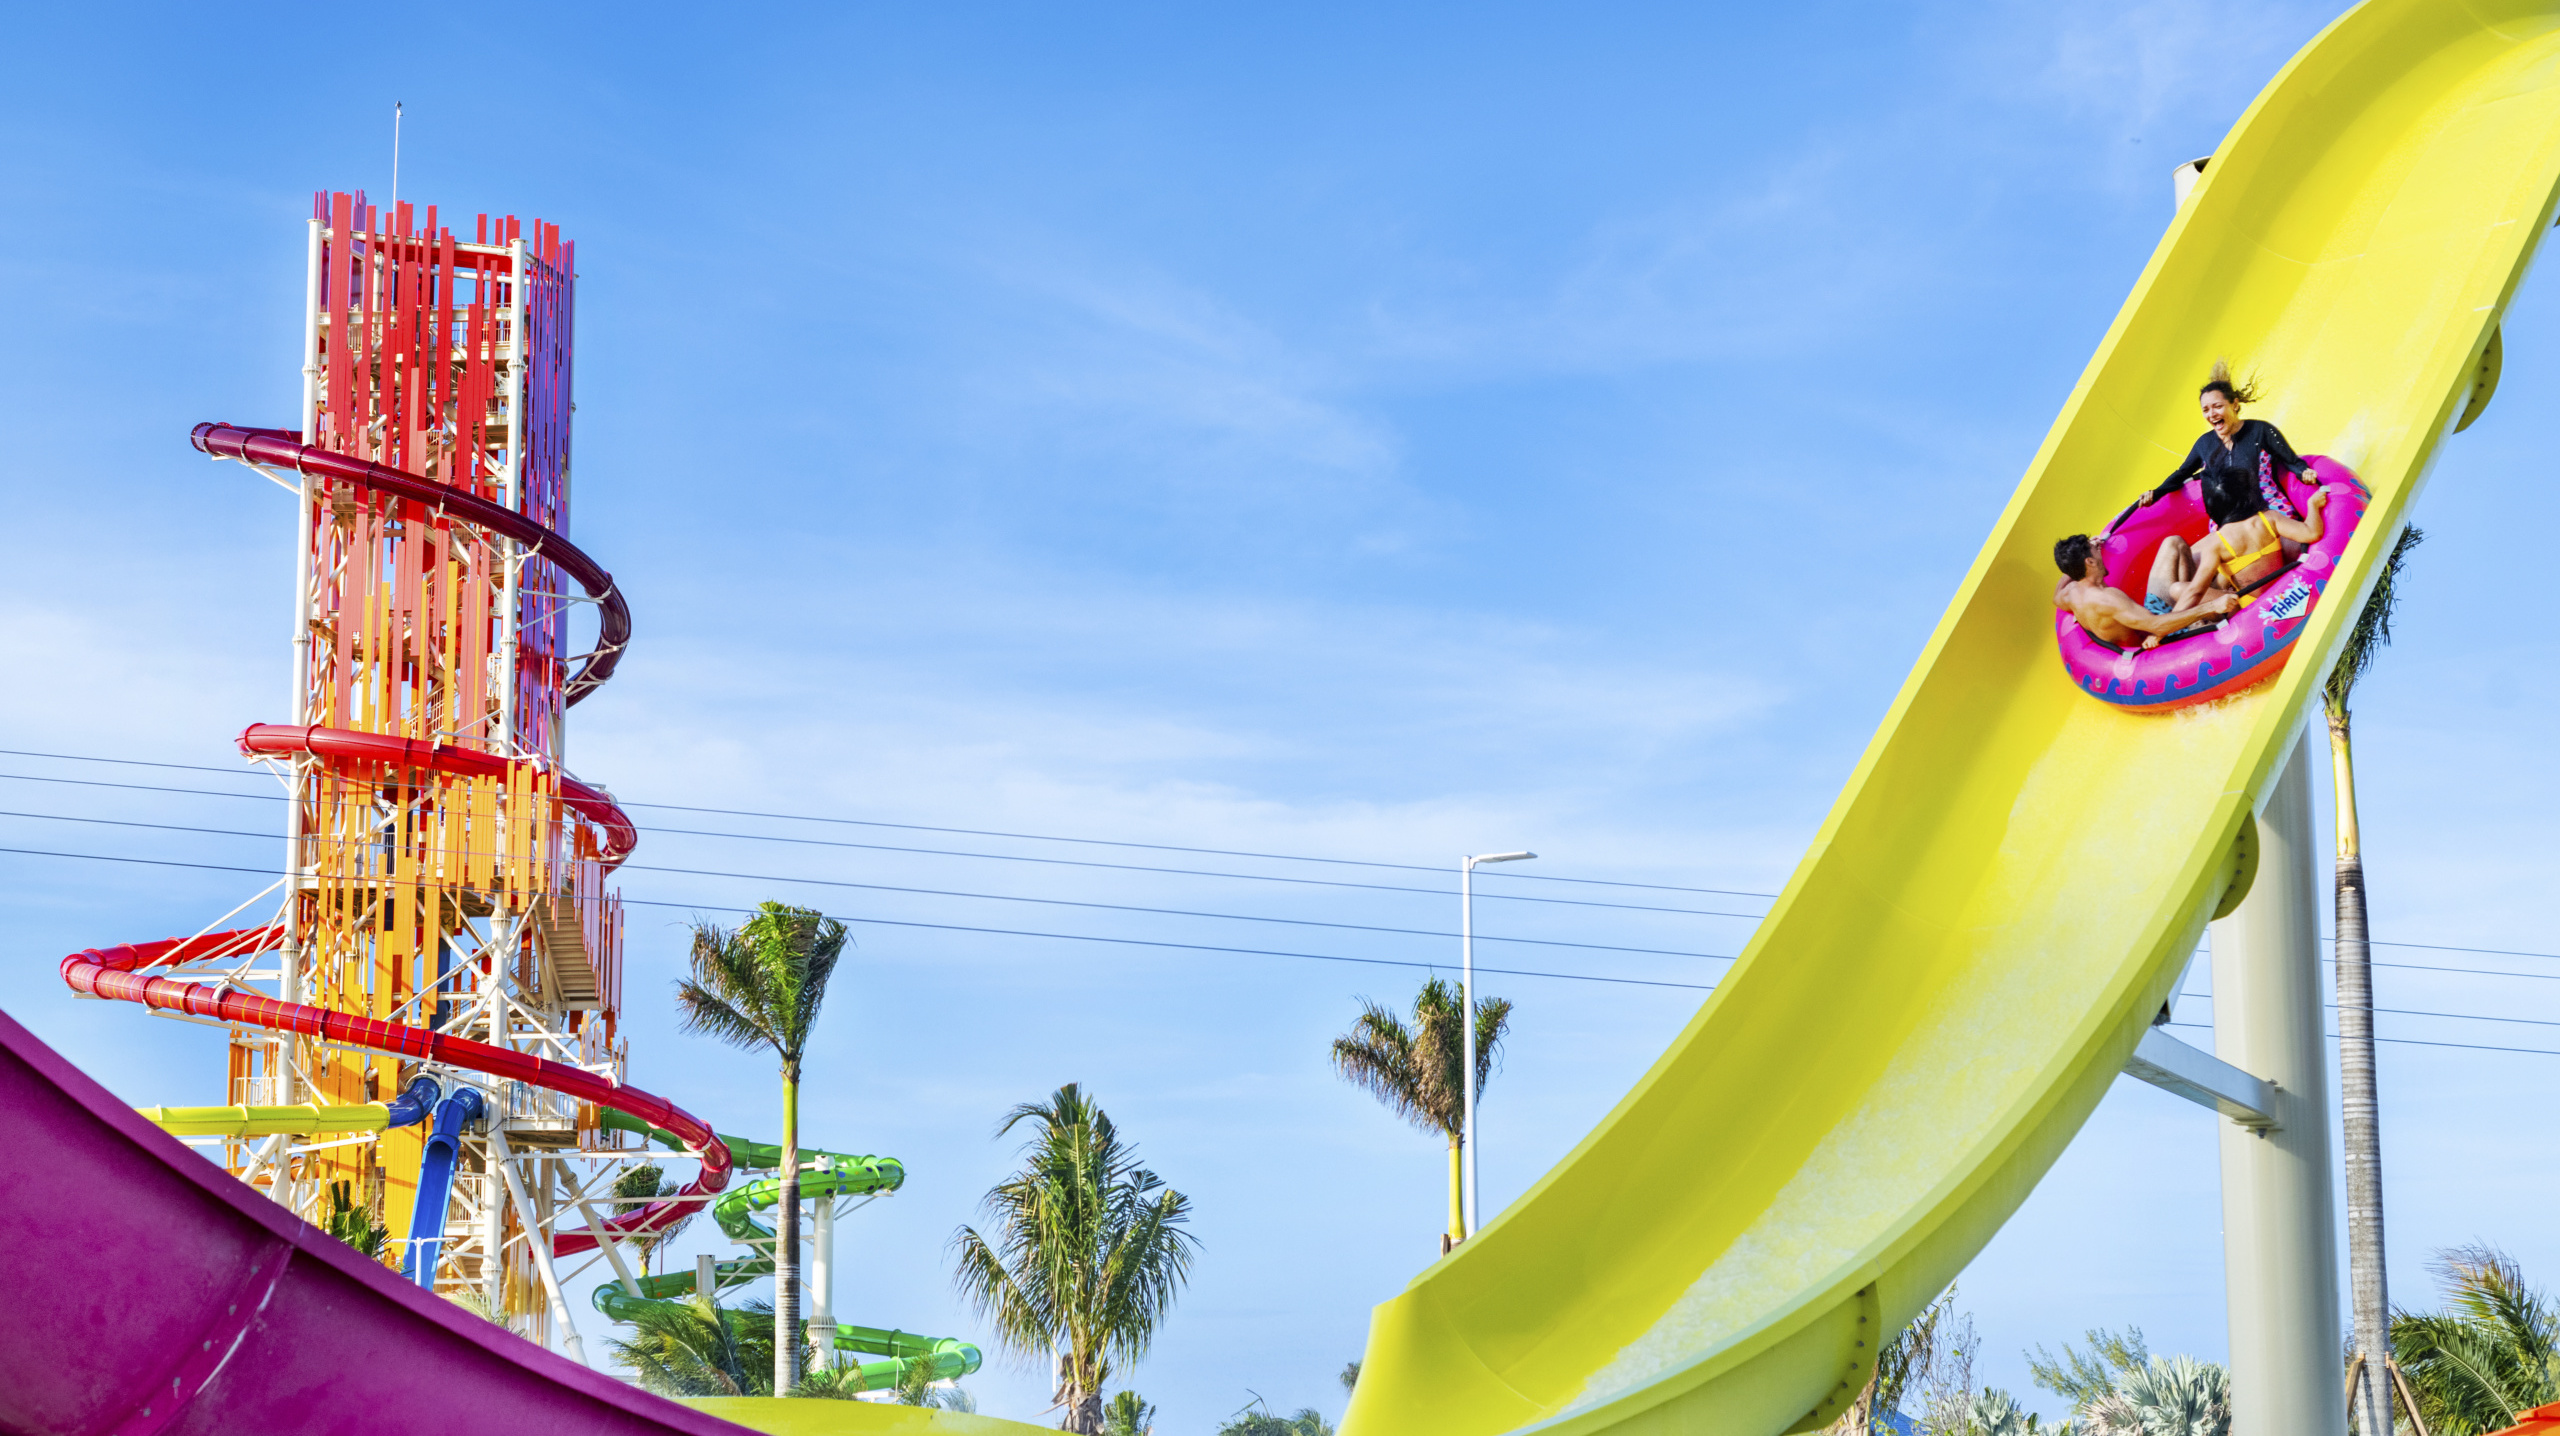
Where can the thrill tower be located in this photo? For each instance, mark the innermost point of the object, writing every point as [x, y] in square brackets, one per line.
[424, 1055]
[423, 1038]
[450, 874]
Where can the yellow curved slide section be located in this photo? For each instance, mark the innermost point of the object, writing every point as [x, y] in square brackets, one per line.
[2015, 873]
[267, 1121]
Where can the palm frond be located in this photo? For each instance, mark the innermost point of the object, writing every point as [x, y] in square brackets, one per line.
[2493, 1351]
[1378, 1057]
[2165, 1396]
[763, 983]
[1021, 1325]
[1419, 1070]
[2372, 631]
[1150, 1261]
[2081, 1379]
[833, 1383]
[649, 1180]
[696, 1348]
[1493, 1019]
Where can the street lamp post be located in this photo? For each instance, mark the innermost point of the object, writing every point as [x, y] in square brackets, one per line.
[1467, 1010]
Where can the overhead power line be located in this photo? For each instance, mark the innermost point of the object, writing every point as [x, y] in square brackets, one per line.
[2406, 1041]
[945, 893]
[1308, 956]
[276, 797]
[1249, 877]
[1051, 838]
[977, 832]
[1241, 951]
[1206, 947]
[2411, 1012]
[926, 852]
[998, 931]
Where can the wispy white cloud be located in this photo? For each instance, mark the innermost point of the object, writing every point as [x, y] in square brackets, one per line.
[1758, 269]
[1172, 384]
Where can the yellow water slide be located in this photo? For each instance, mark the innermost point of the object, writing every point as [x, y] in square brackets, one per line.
[2015, 873]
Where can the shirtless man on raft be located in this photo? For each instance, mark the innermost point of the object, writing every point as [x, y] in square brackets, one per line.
[2107, 613]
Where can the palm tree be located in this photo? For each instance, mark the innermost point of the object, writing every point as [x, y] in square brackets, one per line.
[833, 1383]
[1993, 1412]
[760, 986]
[2357, 1100]
[1128, 1415]
[1088, 1254]
[2165, 1396]
[696, 1347]
[1903, 1367]
[355, 1225]
[1308, 1422]
[2492, 1352]
[649, 1181]
[1417, 1070]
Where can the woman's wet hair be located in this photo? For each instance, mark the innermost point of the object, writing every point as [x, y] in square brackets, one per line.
[2230, 497]
[2235, 390]
[2071, 555]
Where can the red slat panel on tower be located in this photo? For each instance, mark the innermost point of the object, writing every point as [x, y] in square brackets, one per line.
[342, 617]
[409, 614]
[436, 684]
[413, 363]
[470, 411]
[333, 298]
[361, 353]
[446, 410]
[390, 375]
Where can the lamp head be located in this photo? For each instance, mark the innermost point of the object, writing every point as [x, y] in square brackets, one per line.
[1502, 857]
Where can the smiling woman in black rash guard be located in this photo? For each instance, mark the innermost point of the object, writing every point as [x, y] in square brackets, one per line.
[2251, 448]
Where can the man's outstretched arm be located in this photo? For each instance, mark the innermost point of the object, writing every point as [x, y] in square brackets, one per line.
[2115, 606]
[2160, 625]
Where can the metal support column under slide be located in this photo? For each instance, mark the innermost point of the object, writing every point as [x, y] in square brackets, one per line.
[2279, 1220]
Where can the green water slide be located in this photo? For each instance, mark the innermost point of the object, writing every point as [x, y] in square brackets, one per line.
[824, 1176]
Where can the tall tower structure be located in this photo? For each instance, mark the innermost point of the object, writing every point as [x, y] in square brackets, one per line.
[462, 897]
[424, 883]
[447, 872]
[433, 1045]
[423, 1035]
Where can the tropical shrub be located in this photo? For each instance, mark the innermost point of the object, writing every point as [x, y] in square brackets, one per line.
[2167, 1396]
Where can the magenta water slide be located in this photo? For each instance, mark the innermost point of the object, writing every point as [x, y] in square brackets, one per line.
[156, 1294]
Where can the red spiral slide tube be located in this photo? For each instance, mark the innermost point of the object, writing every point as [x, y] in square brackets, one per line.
[283, 449]
[117, 972]
[114, 972]
[386, 750]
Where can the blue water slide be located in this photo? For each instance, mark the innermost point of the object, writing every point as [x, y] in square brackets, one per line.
[435, 1183]
[414, 1101]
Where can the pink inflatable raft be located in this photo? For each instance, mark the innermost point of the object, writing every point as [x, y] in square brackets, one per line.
[2220, 659]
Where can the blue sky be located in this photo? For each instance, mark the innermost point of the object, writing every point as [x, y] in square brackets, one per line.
[1366, 435]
